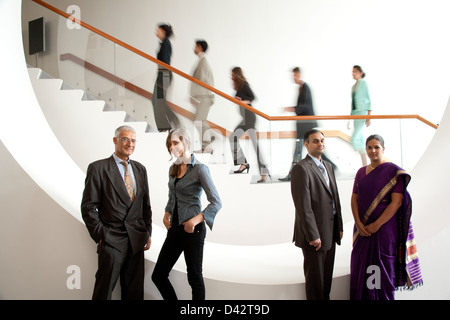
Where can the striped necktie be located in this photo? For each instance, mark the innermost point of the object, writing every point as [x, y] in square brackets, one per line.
[327, 179]
[325, 175]
[128, 181]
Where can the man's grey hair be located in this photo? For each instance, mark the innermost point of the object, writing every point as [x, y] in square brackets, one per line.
[123, 128]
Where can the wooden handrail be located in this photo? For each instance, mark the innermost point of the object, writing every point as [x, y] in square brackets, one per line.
[218, 92]
[185, 113]
[354, 117]
[149, 57]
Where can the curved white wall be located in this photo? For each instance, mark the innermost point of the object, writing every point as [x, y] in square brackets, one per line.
[34, 207]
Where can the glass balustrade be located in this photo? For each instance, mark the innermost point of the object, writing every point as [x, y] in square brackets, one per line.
[127, 82]
[287, 148]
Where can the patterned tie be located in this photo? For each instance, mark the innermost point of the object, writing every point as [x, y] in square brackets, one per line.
[128, 181]
[325, 175]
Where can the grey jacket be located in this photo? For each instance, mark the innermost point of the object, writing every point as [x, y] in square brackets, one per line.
[187, 193]
[203, 73]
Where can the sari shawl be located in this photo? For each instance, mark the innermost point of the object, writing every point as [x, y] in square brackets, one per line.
[387, 260]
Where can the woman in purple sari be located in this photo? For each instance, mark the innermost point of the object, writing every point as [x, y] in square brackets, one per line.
[384, 256]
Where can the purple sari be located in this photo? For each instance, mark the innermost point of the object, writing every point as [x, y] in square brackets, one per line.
[387, 260]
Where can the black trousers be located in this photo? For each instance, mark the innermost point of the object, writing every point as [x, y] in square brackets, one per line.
[178, 241]
[318, 267]
[113, 263]
[165, 118]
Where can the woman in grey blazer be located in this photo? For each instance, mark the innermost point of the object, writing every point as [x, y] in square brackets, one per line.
[184, 218]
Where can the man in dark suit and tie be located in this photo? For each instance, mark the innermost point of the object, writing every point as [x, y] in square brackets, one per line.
[117, 212]
[318, 219]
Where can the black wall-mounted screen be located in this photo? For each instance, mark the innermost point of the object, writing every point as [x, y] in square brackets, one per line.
[36, 37]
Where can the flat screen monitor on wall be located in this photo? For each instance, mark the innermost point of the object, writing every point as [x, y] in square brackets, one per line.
[36, 37]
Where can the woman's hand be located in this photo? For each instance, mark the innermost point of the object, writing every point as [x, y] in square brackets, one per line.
[244, 101]
[166, 220]
[373, 227]
[362, 229]
[189, 226]
[368, 120]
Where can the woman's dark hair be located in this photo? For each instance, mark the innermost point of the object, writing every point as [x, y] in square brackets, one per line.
[360, 70]
[238, 78]
[376, 137]
[167, 29]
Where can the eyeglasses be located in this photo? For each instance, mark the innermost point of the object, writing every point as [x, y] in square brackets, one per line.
[126, 140]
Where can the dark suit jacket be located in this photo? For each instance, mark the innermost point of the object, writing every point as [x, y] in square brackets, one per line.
[314, 205]
[304, 107]
[107, 210]
[248, 117]
[165, 51]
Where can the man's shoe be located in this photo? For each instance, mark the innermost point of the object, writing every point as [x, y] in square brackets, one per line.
[287, 178]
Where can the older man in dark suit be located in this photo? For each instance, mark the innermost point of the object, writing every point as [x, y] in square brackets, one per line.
[318, 219]
[117, 212]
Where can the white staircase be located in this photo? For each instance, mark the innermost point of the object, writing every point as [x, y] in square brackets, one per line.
[80, 125]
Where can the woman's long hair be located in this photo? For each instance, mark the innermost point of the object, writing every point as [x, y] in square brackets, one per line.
[185, 139]
[238, 78]
[167, 29]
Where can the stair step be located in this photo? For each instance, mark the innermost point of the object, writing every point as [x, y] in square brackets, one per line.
[34, 73]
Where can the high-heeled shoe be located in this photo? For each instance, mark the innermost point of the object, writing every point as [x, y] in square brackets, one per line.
[246, 167]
